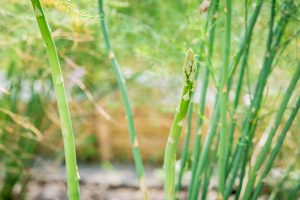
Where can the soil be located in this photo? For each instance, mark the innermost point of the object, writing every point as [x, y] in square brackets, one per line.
[97, 183]
[102, 183]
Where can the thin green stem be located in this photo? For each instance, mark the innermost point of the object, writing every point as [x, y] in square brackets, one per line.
[121, 83]
[223, 143]
[172, 143]
[62, 103]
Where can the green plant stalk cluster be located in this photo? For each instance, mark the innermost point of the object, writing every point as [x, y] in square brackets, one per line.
[250, 121]
[121, 83]
[252, 118]
[200, 165]
[263, 153]
[189, 70]
[62, 103]
[245, 45]
[245, 54]
[211, 22]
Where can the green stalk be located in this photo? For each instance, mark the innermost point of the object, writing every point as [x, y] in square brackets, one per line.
[263, 153]
[189, 69]
[193, 191]
[121, 83]
[252, 111]
[62, 103]
[185, 148]
[277, 148]
[223, 144]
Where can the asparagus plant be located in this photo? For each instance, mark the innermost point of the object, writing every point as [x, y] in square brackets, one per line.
[250, 121]
[121, 83]
[185, 148]
[189, 70]
[261, 156]
[62, 103]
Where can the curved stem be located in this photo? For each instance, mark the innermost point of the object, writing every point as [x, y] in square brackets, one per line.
[62, 103]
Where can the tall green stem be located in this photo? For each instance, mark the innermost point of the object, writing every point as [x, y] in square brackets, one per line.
[121, 83]
[223, 144]
[62, 103]
[172, 143]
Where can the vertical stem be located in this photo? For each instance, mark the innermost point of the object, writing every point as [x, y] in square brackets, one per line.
[121, 83]
[223, 145]
[172, 143]
[62, 103]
